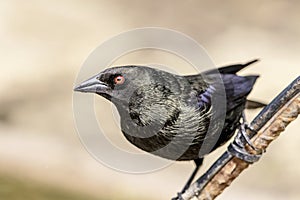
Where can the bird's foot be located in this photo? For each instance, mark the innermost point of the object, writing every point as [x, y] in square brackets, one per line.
[238, 149]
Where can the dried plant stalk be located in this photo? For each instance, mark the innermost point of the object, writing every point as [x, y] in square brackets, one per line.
[269, 124]
[261, 141]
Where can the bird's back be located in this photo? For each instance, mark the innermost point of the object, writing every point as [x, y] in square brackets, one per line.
[236, 89]
[181, 138]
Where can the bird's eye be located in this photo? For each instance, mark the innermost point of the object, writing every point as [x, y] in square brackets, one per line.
[119, 80]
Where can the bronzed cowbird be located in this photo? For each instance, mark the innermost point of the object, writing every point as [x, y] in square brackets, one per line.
[169, 115]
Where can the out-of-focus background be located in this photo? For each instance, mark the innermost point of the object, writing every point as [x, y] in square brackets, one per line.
[44, 43]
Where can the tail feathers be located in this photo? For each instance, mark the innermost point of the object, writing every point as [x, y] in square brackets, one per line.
[251, 79]
[250, 104]
[237, 88]
[232, 69]
[242, 84]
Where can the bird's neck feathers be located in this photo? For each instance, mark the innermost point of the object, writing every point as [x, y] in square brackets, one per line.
[154, 116]
[150, 108]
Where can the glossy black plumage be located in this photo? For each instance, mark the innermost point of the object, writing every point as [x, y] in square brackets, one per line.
[169, 115]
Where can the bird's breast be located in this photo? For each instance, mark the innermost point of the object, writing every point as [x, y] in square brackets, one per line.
[177, 140]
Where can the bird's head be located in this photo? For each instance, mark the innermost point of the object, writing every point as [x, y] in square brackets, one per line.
[148, 94]
[114, 83]
[120, 83]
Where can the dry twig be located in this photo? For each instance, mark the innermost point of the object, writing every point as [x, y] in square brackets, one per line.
[269, 123]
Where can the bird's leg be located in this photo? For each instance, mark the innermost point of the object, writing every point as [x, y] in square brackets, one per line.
[198, 163]
[237, 148]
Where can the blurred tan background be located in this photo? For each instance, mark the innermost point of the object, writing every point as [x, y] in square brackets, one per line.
[44, 43]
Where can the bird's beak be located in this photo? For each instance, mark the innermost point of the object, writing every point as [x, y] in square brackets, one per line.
[92, 85]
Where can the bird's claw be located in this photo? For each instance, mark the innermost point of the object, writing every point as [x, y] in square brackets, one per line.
[245, 136]
[237, 147]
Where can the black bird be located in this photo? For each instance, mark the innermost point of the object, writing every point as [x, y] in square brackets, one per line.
[170, 115]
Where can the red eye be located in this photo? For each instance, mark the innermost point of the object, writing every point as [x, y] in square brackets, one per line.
[119, 80]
